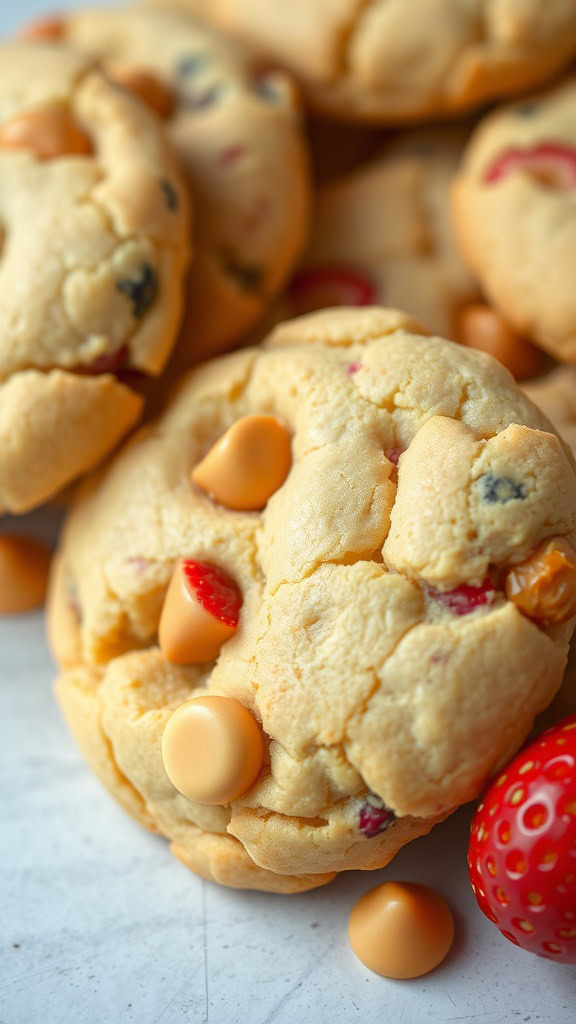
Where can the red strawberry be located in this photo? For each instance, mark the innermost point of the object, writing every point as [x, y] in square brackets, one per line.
[522, 853]
[465, 599]
[321, 287]
[214, 589]
[551, 163]
[108, 362]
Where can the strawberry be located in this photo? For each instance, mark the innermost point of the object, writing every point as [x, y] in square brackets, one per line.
[320, 287]
[522, 854]
[465, 598]
[551, 163]
[214, 589]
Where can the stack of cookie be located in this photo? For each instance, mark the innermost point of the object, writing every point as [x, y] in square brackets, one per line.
[307, 611]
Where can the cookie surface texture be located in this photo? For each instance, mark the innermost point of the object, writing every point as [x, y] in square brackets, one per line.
[91, 265]
[513, 204]
[373, 645]
[381, 236]
[393, 60]
[236, 130]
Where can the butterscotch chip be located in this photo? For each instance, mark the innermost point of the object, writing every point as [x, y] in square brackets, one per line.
[49, 131]
[481, 327]
[146, 86]
[247, 465]
[24, 568]
[544, 586]
[200, 613]
[50, 27]
[401, 930]
[212, 748]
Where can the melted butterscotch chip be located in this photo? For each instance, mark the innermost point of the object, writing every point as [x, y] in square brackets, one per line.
[49, 131]
[544, 586]
[146, 86]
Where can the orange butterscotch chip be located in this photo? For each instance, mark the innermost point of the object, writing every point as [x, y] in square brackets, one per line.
[200, 613]
[401, 929]
[50, 27]
[213, 749]
[247, 465]
[146, 86]
[481, 327]
[24, 569]
[49, 131]
[544, 586]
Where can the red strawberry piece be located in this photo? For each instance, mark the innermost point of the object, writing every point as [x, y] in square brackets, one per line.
[108, 362]
[522, 854]
[321, 287]
[393, 455]
[215, 590]
[465, 598]
[551, 163]
[375, 817]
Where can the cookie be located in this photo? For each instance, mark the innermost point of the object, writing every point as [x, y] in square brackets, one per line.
[91, 265]
[237, 132]
[555, 395]
[513, 210]
[357, 612]
[381, 235]
[399, 60]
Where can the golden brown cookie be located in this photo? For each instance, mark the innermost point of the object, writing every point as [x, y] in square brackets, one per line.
[368, 633]
[236, 129]
[397, 60]
[514, 201]
[91, 265]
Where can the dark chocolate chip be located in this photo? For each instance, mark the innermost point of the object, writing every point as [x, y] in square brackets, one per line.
[498, 490]
[248, 278]
[191, 63]
[375, 818]
[170, 194]
[141, 290]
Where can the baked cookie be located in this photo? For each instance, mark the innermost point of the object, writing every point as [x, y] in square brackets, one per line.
[94, 229]
[237, 133]
[396, 60]
[555, 395]
[324, 530]
[381, 235]
[514, 202]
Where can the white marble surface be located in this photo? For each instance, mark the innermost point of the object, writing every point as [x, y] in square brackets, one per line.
[99, 924]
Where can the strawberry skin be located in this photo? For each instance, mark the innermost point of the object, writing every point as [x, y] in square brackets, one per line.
[321, 287]
[215, 590]
[522, 853]
[551, 163]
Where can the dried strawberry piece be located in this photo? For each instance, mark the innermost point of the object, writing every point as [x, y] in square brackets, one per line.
[321, 287]
[375, 818]
[465, 598]
[108, 362]
[214, 589]
[551, 163]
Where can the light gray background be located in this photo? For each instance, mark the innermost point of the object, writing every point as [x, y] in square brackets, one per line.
[100, 925]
